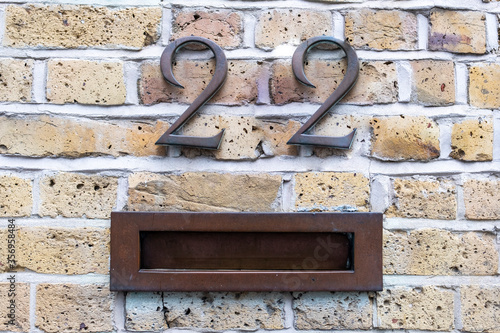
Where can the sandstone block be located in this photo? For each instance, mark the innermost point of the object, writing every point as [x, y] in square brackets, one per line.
[203, 192]
[480, 308]
[16, 78]
[21, 313]
[77, 195]
[482, 199]
[70, 26]
[433, 82]
[244, 137]
[332, 311]
[428, 308]
[381, 29]
[64, 250]
[405, 138]
[225, 27]
[457, 31]
[332, 191]
[290, 26]
[377, 82]
[73, 308]
[85, 82]
[439, 252]
[144, 312]
[240, 87]
[41, 136]
[430, 199]
[472, 140]
[484, 81]
[15, 196]
[225, 311]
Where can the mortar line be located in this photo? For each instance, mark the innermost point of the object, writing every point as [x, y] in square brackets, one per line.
[461, 84]
[166, 25]
[422, 31]
[288, 308]
[131, 73]
[491, 32]
[338, 25]
[457, 302]
[249, 24]
[119, 311]
[39, 84]
[404, 73]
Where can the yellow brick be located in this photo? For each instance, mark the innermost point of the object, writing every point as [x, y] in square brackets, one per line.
[16, 78]
[433, 82]
[484, 86]
[472, 140]
[70, 26]
[480, 308]
[15, 196]
[482, 199]
[21, 312]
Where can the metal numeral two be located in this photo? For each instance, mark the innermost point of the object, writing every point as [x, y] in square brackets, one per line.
[169, 138]
[350, 78]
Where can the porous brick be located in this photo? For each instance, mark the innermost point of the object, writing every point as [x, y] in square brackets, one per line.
[484, 83]
[480, 308]
[439, 252]
[332, 311]
[340, 125]
[221, 26]
[240, 87]
[64, 250]
[244, 137]
[73, 308]
[203, 192]
[457, 31]
[85, 82]
[332, 191]
[69, 26]
[290, 26]
[144, 312]
[14, 306]
[77, 195]
[15, 196]
[472, 140]
[225, 311]
[428, 308]
[482, 199]
[429, 199]
[433, 82]
[42, 136]
[16, 78]
[377, 82]
[381, 29]
[405, 138]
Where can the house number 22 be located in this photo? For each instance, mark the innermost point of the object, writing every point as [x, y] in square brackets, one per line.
[300, 137]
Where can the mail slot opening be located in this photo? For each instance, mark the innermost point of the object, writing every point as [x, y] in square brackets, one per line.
[181, 250]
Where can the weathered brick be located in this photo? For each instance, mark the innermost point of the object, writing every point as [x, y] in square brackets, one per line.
[69, 26]
[15, 319]
[457, 31]
[472, 140]
[240, 87]
[15, 196]
[144, 312]
[41, 136]
[244, 137]
[85, 82]
[484, 83]
[290, 26]
[203, 192]
[224, 311]
[381, 29]
[429, 199]
[340, 125]
[64, 250]
[439, 252]
[405, 138]
[332, 191]
[427, 308]
[480, 308]
[433, 82]
[73, 308]
[16, 78]
[77, 195]
[377, 82]
[224, 27]
[482, 199]
[332, 311]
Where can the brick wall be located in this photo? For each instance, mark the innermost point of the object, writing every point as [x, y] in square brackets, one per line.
[82, 102]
